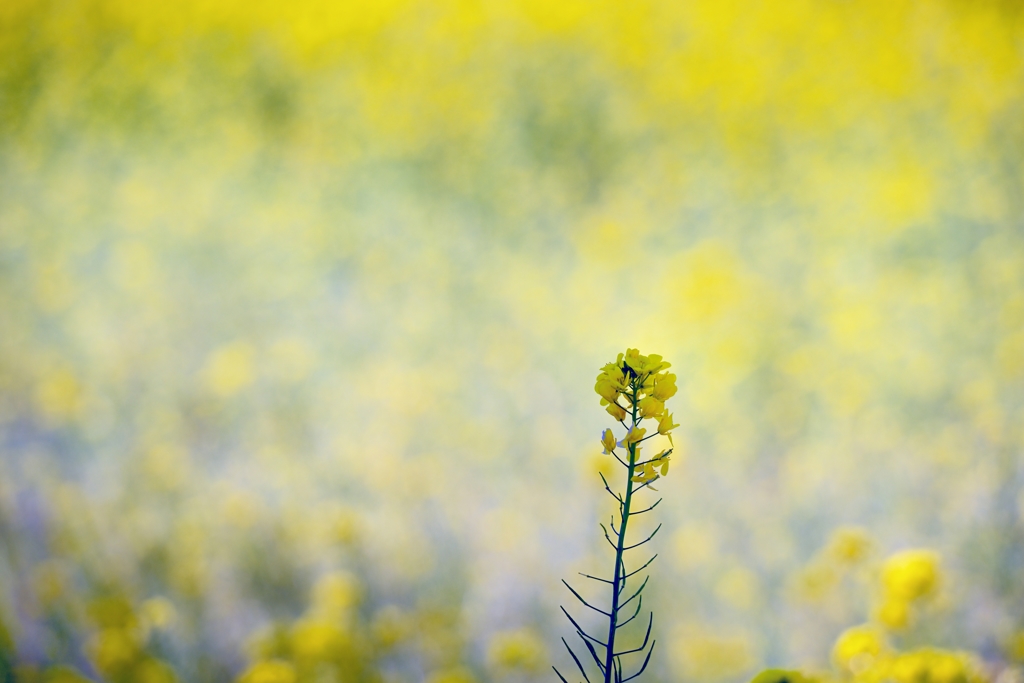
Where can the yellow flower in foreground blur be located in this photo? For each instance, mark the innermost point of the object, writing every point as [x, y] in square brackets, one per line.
[1015, 647]
[335, 594]
[391, 626]
[113, 649]
[272, 671]
[230, 369]
[779, 676]
[59, 395]
[517, 650]
[456, 675]
[911, 575]
[316, 639]
[850, 545]
[713, 657]
[894, 614]
[154, 671]
[858, 648]
[60, 674]
[934, 666]
[156, 613]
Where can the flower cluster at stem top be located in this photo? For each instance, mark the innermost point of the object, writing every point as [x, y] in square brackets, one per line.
[638, 386]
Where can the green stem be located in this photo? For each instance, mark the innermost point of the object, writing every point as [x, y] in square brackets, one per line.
[619, 575]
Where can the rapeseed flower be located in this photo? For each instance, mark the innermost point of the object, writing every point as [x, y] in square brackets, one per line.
[662, 461]
[648, 474]
[112, 650]
[644, 387]
[664, 387]
[858, 648]
[894, 614]
[929, 665]
[650, 407]
[1015, 647]
[633, 436]
[608, 441]
[616, 411]
[315, 639]
[518, 650]
[911, 575]
[270, 671]
[779, 676]
[666, 425]
[850, 545]
[641, 366]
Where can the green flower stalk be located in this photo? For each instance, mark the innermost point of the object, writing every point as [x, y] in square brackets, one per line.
[634, 387]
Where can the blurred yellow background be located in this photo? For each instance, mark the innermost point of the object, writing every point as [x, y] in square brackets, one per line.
[301, 305]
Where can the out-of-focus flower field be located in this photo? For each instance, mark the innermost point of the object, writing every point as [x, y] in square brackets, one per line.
[301, 305]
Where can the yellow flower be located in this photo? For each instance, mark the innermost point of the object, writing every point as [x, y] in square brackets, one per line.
[647, 474]
[656, 364]
[391, 626]
[113, 650]
[616, 411]
[270, 671]
[608, 441]
[650, 407]
[231, 368]
[59, 674]
[850, 545]
[316, 639]
[779, 676]
[664, 387]
[457, 675]
[634, 435]
[614, 370]
[154, 671]
[635, 361]
[857, 648]
[610, 385]
[518, 650]
[335, 594]
[610, 382]
[894, 614]
[1015, 647]
[661, 460]
[948, 667]
[665, 425]
[607, 389]
[644, 365]
[911, 575]
[929, 665]
[910, 667]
